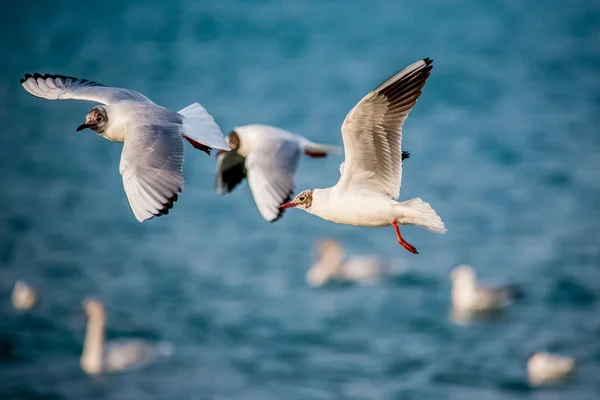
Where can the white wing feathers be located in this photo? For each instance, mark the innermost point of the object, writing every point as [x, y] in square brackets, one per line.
[201, 127]
[270, 170]
[59, 87]
[372, 132]
[152, 168]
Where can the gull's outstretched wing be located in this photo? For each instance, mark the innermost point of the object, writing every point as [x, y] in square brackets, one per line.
[271, 169]
[267, 132]
[372, 132]
[231, 170]
[405, 155]
[59, 87]
[152, 168]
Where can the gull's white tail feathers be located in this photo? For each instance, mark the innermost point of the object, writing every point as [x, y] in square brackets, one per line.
[418, 212]
[201, 127]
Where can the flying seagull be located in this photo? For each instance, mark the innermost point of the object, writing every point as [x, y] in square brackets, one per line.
[370, 178]
[152, 157]
[268, 157]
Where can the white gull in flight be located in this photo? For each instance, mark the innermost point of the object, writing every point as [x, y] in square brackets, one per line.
[371, 174]
[152, 157]
[268, 157]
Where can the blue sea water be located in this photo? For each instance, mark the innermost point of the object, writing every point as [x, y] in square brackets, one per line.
[505, 146]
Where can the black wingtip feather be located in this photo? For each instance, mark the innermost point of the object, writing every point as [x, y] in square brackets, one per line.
[167, 205]
[408, 79]
[397, 91]
[27, 76]
[405, 155]
[80, 81]
[280, 214]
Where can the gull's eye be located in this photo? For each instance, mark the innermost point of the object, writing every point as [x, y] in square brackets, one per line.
[301, 198]
[99, 118]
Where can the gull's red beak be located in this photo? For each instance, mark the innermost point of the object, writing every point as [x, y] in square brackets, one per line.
[286, 205]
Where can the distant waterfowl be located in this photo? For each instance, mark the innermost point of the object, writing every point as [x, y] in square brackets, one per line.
[23, 296]
[98, 356]
[331, 264]
[268, 157]
[468, 297]
[545, 368]
[152, 157]
[371, 174]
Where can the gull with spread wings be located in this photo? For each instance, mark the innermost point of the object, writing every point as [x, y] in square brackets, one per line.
[268, 157]
[371, 174]
[152, 157]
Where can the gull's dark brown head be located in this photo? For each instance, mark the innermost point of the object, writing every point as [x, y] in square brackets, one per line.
[233, 140]
[303, 201]
[96, 120]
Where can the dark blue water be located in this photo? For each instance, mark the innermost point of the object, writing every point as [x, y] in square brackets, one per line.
[505, 145]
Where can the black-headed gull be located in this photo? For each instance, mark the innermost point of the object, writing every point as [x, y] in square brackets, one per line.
[23, 296]
[268, 157]
[468, 297]
[98, 356]
[331, 264]
[545, 368]
[370, 179]
[152, 157]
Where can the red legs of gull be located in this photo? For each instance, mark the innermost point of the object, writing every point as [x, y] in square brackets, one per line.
[199, 146]
[315, 154]
[403, 242]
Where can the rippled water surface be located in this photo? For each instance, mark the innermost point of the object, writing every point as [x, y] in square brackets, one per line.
[504, 144]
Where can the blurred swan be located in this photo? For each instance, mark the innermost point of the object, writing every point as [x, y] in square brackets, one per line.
[467, 297]
[23, 296]
[115, 356]
[331, 264]
[544, 368]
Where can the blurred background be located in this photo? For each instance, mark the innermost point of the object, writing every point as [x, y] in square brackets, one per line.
[504, 144]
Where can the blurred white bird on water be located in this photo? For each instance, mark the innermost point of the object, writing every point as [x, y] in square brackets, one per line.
[469, 299]
[98, 356]
[332, 265]
[23, 296]
[545, 368]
